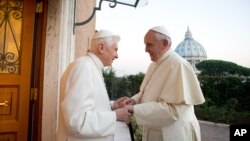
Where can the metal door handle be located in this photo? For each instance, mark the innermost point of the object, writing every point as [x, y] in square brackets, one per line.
[5, 103]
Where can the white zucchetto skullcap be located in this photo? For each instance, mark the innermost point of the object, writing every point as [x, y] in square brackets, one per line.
[162, 30]
[105, 34]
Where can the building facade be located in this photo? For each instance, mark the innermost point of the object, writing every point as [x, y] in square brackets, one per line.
[37, 42]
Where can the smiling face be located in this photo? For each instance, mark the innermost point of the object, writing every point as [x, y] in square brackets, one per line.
[155, 47]
[106, 49]
[110, 53]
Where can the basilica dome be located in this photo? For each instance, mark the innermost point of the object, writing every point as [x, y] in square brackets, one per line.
[191, 50]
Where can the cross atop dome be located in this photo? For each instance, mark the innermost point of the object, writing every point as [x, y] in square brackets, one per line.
[188, 34]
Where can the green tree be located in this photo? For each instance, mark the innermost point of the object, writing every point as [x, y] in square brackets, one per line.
[111, 82]
[225, 86]
[221, 68]
[121, 86]
[135, 83]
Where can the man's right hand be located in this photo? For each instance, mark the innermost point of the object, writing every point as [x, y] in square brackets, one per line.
[122, 102]
[123, 115]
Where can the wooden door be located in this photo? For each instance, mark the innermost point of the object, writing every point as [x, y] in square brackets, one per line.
[16, 42]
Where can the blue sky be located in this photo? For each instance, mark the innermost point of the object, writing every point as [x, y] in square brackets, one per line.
[221, 26]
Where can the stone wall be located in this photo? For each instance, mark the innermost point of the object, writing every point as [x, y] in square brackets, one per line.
[61, 47]
[84, 33]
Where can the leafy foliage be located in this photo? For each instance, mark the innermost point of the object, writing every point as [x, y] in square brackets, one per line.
[122, 86]
[221, 68]
[222, 89]
[226, 87]
[137, 129]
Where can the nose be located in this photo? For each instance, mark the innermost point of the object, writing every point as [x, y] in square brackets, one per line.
[116, 55]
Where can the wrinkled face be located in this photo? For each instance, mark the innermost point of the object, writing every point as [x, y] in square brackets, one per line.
[154, 47]
[110, 54]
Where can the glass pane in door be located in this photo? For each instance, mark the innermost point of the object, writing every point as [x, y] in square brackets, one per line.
[10, 34]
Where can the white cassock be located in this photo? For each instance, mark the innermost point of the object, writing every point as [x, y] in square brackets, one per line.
[122, 132]
[165, 102]
[85, 111]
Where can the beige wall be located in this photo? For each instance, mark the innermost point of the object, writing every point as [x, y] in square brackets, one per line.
[62, 46]
[84, 10]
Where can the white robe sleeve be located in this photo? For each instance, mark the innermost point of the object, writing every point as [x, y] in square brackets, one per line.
[81, 117]
[137, 97]
[155, 114]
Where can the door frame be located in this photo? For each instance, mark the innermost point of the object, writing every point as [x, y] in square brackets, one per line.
[35, 114]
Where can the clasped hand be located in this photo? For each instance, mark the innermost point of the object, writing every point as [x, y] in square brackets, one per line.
[124, 108]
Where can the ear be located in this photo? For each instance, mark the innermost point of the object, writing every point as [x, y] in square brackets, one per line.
[101, 48]
[165, 42]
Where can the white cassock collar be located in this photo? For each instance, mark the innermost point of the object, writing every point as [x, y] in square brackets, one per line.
[165, 55]
[97, 62]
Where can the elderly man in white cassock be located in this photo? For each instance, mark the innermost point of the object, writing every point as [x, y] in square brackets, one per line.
[164, 105]
[85, 110]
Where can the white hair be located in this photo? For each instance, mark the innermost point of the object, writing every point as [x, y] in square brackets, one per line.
[107, 41]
